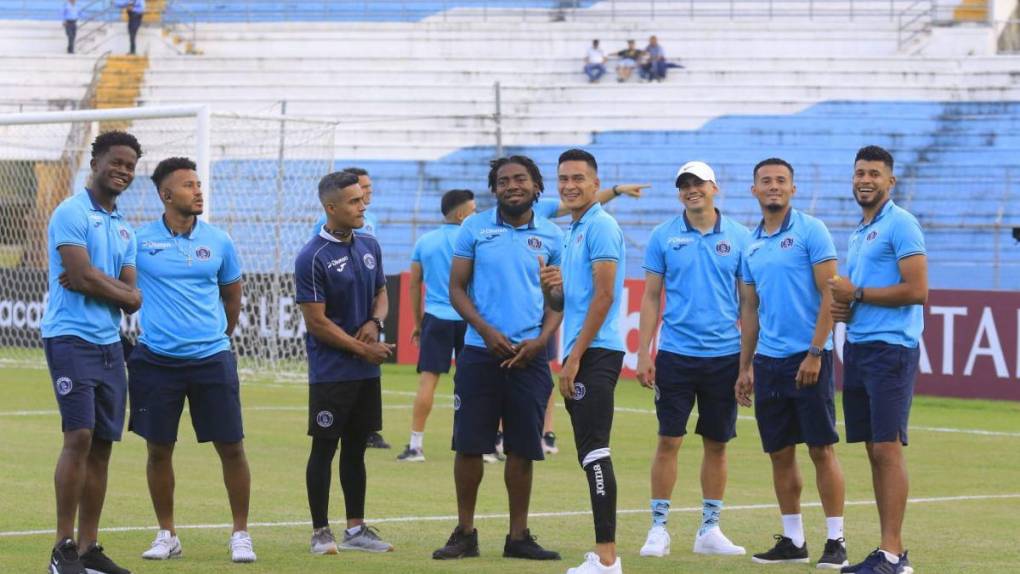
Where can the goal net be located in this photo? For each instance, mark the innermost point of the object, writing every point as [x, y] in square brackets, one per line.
[260, 176]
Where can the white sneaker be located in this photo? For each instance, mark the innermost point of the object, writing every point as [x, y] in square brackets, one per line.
[657, 543]
[592, 565]
[164, 547]
[240, 547]
[715, 542]
[493, 458]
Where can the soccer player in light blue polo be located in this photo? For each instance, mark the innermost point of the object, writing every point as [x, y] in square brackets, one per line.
[696, 257]
[191, 277]
[439, 330]
[551, 208]
[786, 358]
[502, 373]
[592, 287]
[881, 303]
[91, 280]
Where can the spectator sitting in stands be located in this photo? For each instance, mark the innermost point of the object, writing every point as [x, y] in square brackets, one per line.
[595, 62]
[628, 61]
[654, 66]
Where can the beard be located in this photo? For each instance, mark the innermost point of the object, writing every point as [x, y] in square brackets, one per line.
[516, 210]
[774, 207]
[878, 198]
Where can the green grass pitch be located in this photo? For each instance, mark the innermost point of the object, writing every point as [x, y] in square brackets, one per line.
[964, 514]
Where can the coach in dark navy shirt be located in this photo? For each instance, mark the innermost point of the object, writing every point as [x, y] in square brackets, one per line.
[342, 292]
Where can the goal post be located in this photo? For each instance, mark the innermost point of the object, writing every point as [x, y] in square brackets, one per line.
[259, 174]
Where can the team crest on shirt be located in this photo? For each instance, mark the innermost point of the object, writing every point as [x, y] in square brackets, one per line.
[871, 236]
[456, 402]
[124, 234]
[723, 248]
[63, 385]
[369, 260]
[324, 419]
[579, 391]
[534, 242]
[786, 243]
[678, 243]
[203, 253]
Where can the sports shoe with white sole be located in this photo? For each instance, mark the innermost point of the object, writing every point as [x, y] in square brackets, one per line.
[592, 565]
[657, 543]
[166, 546]
[411, 455]
[784, 552]
[549, 443]
[834, 555]
[96, 561]
[240, 547]
[366, 540]
[715, 542]
[323, 541]
[493, 458]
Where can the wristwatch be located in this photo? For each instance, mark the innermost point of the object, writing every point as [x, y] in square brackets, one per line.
[814, 351]
[378, 323]
[859, 294]
[616, 191]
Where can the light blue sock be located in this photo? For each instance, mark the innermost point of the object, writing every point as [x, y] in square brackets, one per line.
[710, 510]
[660, 511]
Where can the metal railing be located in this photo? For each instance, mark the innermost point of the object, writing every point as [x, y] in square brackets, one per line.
[177, 11]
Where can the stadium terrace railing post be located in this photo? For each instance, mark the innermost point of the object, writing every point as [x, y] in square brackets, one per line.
[498, 118]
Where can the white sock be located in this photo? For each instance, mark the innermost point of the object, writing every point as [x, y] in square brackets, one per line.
[793, 528]
[835, 526]
[355, 530]
[417, 438]
[892, 558]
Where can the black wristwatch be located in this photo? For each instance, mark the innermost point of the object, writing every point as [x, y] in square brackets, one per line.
[859, 294]
[814, 351]
[616, 191]
[378, 323]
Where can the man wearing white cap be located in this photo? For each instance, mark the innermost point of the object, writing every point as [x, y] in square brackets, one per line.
[697, 257]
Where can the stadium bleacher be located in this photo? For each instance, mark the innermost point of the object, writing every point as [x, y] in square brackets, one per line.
[413, 94]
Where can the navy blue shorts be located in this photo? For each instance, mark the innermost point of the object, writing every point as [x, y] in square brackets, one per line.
[680, 380]
[878, 389]
[591, 408]
[440, 341]
[552, 346]
[159, 384]
[787, 415]
[90, 385]
[345, 409]
[485, 393]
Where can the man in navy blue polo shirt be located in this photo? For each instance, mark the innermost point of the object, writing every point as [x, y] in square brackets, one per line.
[502, 372]
[786, 359]
[881, 303]
[342, 292]
[91, 279]
[696, 256]
[592, 288]
[439, 331]
[191, 277]
[371, 227]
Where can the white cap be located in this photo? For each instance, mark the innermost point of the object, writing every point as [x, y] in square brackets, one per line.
[698, 169]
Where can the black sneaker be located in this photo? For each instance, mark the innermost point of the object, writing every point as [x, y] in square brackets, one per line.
[96, 562]
[375, 440]
[411, 455]
[460, 545]
[527, 548]
[784, 552]
[65, 559]
[876, 563]
[834, 556]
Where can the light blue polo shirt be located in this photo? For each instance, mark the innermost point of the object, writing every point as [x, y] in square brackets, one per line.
[434, 252]
[781, 268]
[700, 275]
[371, 226]
[505, 286]
[873, 261]
[547, 208]
[594, 237]
[110, 243]
[180, 276]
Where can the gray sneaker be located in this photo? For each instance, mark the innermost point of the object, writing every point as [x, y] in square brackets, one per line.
[323, 541]
[366, 540]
